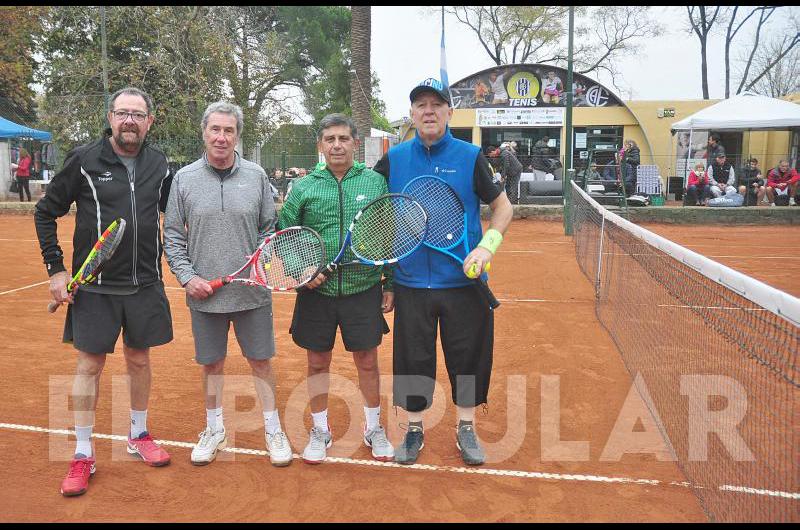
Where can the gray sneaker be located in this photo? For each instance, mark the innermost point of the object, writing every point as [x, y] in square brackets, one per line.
[467, 443]
[381, 448]
[318, 443]
[408, 451]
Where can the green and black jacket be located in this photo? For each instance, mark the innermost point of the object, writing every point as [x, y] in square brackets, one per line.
[328, 205]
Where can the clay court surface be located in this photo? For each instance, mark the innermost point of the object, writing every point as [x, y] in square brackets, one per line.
[545, 327]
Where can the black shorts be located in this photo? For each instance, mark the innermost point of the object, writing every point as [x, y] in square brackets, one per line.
[94, 320]
[359, 316]
[467, 327]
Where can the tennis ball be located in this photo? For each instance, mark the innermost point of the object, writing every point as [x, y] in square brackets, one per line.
[473, 270]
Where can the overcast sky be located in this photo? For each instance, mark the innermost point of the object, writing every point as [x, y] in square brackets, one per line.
[405, 50]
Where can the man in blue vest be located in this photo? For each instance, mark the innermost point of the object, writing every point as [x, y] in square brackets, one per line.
[431, 288]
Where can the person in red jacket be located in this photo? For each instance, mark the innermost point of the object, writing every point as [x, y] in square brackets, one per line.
[23, 168]
[782, 180]
[697, 188]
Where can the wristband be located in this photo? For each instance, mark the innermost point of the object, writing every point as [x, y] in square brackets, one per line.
[491, 240]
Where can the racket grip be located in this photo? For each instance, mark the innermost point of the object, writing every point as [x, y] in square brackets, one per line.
[219, 282]
[483, 287]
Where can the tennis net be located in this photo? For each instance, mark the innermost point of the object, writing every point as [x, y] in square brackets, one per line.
[716, 355]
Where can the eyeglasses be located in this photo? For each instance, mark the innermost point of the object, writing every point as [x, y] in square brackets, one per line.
[122, 115]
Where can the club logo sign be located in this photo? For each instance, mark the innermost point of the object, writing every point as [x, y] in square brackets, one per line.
[596, 97]
[523, 87]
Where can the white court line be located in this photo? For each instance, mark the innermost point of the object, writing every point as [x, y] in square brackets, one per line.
[427, 467]
[26, 287]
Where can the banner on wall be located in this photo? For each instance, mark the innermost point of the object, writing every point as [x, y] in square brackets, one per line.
[524, 117]
[526, 86]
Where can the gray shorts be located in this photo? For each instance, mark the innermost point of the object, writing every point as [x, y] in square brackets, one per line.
[253, 330]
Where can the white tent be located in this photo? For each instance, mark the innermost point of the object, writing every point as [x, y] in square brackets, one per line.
[743, 112]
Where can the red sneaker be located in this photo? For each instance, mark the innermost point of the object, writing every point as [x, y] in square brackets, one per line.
[148, 450]
[77, 480]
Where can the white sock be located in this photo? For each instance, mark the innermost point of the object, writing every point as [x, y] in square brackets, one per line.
[138, 422]
[272, 421]
[373, 416]
[84, 436]
[320, 420]
[214, 419]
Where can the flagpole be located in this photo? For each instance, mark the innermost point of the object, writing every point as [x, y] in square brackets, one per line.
[443, 63]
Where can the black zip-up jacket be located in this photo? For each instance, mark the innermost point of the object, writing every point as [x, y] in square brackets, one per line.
[96, 180]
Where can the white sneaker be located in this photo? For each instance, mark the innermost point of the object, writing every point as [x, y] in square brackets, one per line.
[791, 201]
[206, 449]
[772, 204]
[318, 443]
[381, 448]
[278, 448]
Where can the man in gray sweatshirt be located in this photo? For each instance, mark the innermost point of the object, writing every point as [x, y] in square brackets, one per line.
[220, 208]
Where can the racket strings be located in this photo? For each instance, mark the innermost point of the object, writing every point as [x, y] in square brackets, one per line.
[388, 229]
[290, 259]
[111, 239]
[445, 211]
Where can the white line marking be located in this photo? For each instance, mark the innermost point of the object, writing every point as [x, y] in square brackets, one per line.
[26, 287]
[425, 467]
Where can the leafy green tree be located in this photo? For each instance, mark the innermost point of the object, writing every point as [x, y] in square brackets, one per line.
[18, 25]
[165, 51]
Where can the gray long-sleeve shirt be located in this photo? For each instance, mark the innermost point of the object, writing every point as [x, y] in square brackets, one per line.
[213, 224]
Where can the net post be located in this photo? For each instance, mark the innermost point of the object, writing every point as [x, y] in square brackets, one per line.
[567, 195]
[599, 259]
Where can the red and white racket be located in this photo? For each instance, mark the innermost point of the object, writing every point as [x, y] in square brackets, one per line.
[285, 260]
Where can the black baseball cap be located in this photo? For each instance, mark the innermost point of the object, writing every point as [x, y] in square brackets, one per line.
[431, 85]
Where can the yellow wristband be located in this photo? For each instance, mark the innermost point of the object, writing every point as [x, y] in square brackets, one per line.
[491, 240]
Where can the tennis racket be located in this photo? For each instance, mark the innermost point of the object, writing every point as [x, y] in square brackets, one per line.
[447, 222]
[93, 265]
[285, 260]
[384, 231]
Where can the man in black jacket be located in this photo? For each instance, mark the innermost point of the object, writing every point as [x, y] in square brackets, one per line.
[119, 175]
[511, 170]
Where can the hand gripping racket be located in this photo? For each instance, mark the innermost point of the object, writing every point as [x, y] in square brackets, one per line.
[93, 265]
[385, 231]
[447, 222]
[285, 260]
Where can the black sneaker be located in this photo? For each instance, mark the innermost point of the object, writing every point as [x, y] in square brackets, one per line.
[408, 451]
[467, 443]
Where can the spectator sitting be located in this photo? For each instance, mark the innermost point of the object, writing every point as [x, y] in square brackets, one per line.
[782, 180]
[721, 176]
[751, 184]
[697, 188]
[593, 174]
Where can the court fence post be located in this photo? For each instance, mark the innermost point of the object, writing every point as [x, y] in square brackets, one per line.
[567, 194]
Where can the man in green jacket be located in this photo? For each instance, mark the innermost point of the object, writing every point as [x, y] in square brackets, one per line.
[352, 298]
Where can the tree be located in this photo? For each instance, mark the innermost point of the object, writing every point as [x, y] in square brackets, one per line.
[515, 34]
[360, 73]
[733, 29]
[780, 77]
[162, 50]
[538, 34]
[702, 24]
[768, 55]
[18, 24]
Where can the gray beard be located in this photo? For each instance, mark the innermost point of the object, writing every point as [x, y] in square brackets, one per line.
[128, 146]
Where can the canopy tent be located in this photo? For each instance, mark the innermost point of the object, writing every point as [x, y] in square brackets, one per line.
[9, 129]
[743, 112]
